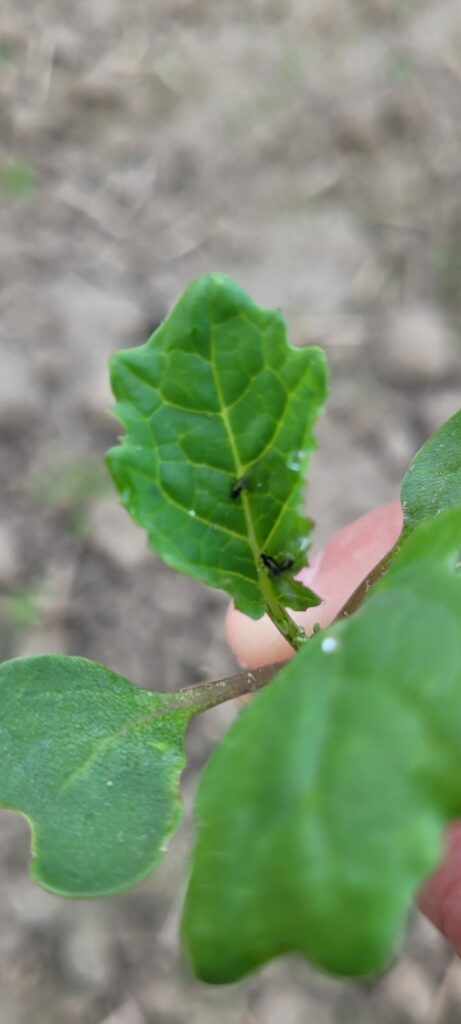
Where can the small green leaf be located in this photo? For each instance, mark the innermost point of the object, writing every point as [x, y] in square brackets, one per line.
[218, 410]
[22, 609]
[433, 479]
[93, 763]
[18, 180]
[293, 594]
[8, 51]
[431, 484]
[322, 811]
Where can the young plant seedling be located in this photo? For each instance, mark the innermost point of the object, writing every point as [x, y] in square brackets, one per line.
[323, 809]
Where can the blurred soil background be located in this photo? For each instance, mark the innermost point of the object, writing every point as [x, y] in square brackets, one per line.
[312, 149]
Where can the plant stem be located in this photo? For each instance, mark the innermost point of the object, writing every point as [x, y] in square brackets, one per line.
[293, 634]
[289, 629]
[203, 696]
[361, 592]
[208, 695]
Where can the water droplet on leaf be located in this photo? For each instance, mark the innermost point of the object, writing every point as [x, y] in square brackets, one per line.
[329, 644]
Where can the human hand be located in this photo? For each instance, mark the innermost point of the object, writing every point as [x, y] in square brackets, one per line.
[334, 575]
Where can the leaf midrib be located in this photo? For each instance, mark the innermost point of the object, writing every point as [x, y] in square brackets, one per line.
[240, 468]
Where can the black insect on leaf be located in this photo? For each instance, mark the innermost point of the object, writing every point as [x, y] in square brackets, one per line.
[276, 567]
[239, 486]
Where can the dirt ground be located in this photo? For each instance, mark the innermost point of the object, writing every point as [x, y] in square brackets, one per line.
[312, 150]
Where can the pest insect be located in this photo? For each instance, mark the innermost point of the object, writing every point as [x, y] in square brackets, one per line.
[274, 567]
[239, 486]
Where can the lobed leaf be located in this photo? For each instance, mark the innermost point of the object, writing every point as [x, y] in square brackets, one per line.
[431, 484]
[219, 410]
[322, 811]
[433, 479]
[93, 763]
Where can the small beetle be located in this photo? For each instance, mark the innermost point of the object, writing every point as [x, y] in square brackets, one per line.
[274, 567]
[239, 486]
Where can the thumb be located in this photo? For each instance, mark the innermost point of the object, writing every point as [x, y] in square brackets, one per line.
[440, 896]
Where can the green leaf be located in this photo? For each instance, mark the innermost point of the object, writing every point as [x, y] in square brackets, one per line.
[218, 410]
[93, 763]
[322, 811]
[293, 594]
[18, 180]
[433, 479]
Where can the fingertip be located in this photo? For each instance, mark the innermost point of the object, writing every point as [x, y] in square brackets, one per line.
[254, 642]
[440, 896]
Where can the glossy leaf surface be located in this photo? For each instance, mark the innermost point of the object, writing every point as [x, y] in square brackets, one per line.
[93, 762]
[322, 811]
[218, 410]
[433, 479]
